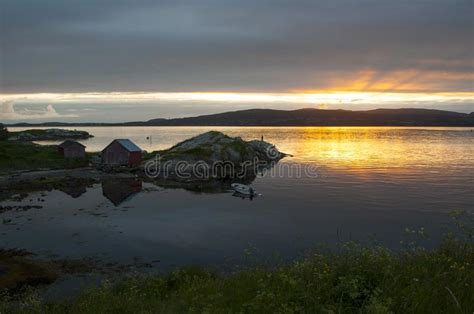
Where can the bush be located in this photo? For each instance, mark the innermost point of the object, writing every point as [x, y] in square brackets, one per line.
[3, 133]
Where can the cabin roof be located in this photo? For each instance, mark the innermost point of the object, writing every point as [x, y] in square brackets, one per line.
[127, 144]
[69, 143]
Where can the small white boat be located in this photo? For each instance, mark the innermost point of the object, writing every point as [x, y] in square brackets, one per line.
[243, 189]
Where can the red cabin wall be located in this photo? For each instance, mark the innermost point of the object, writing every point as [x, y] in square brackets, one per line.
[73, 152]
[115, 154]
[134, 159]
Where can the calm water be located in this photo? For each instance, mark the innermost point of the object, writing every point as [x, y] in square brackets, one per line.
[370, 183]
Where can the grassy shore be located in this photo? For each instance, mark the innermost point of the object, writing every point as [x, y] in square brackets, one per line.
[353, 279]
[27, 156]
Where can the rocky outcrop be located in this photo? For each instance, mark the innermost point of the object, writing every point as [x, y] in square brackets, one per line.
[212, 155]
[48, 135]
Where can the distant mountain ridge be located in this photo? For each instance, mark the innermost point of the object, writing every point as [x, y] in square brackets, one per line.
[305, 117]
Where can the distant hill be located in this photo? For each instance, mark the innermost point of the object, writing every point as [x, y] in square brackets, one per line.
[319, 117]
[305, 117]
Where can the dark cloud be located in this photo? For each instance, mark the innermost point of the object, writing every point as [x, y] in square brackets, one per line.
[246, 45]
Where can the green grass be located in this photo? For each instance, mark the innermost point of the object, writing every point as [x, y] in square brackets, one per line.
[26, 156]
[239, 147]
[354, 279]
[201, 152]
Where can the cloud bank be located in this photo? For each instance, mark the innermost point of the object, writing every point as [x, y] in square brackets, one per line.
[236, 46]
[8, 112]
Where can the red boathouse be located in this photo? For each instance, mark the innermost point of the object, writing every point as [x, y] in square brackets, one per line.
[122, 152]
[72, 149]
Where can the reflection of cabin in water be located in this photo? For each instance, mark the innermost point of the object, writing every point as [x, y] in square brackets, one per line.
[122, 152]
[74, 191]
[72, 149]
[119, 190]
[74, 187]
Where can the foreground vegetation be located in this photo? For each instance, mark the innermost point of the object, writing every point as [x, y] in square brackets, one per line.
[27, 156]
[353, 279]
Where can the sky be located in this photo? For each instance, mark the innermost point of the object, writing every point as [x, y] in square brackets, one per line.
[95, 60]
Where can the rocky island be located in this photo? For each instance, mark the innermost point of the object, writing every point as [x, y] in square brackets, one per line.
[48, 135]
[212, 156]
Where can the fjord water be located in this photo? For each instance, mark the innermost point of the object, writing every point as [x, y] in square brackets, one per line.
[363, 184]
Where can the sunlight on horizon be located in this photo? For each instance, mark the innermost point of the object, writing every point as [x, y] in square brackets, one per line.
[308, 97]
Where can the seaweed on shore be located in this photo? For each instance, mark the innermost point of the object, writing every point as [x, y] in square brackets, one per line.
[19, 271]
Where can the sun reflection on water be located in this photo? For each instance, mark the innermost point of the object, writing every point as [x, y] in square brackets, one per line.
[384, 149]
